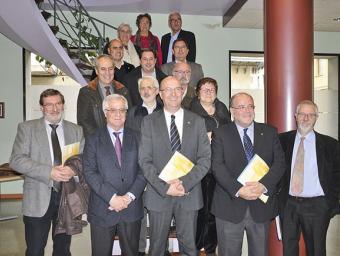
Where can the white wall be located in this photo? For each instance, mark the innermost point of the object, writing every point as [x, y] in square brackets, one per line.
[11, 92]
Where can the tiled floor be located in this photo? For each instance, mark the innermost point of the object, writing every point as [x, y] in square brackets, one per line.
[12, 242]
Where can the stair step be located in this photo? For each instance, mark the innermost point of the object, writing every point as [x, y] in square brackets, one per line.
[55, 29]
[46, 15]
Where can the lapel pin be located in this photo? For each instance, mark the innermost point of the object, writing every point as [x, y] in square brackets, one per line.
[261, 133]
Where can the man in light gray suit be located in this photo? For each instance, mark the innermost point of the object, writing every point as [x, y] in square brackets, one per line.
[164, 132]
[181, 50]
[36, 155]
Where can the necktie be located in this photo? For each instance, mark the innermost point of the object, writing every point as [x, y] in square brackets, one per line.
[56, 152]
[298, 170]
[118, 148]
[174, 136]
[248, 146]
[107, 90]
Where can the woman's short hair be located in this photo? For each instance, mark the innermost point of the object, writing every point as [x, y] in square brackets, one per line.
[205, 80]
[139, 18]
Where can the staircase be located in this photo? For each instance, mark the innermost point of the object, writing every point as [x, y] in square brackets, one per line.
[82, 37]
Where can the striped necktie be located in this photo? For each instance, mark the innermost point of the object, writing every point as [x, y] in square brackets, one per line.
[174, 136]
[248, 146]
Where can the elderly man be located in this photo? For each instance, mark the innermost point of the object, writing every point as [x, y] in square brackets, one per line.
[148, 88]
[237, 207]
[310, 187]
[122, 68]
[147, 68]
[175, 24]
[182, 72]
[111, 170]
[130, 52]
[37, 155]
[89, 112]
[163, 133]
[181, 50]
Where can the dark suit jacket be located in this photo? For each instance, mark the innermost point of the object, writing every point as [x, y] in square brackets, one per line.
[90, 113]
[188, 36]
[106, 178]
[229, 160]
[155, 152]
[328, 159]
[131, 82]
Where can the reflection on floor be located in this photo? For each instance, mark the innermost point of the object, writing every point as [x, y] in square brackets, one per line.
[12, 241]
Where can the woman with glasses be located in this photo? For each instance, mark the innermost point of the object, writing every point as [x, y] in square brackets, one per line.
[215, 113]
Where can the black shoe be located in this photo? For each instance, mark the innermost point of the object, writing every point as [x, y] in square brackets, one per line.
[167, 253]
[141, 253]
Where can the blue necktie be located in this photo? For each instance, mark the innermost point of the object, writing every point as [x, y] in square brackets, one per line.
[174, 136]
[248, 146]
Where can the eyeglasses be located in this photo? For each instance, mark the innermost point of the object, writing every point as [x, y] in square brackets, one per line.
[51, 106]
[304, 115]
[147, 88]
[169, 90]
[212, 90]
[244, 108]
[180, 47]
[182, 72]
[117, 47]
[116, 111]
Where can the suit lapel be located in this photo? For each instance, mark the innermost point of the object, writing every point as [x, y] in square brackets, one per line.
[187, 132]
[289, 152]
[320, 148]
[127, 141]
[236, 140]
[258, 138]
[42, 140]
[106, 141]
[163, 129]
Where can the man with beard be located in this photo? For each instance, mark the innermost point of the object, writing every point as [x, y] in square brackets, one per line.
[310, 187]
[182, 72]
[37, 155]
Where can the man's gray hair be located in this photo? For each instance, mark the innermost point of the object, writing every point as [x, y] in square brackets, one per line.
[103, 56]
[307, 102]
[144, 78]
[231, 103]
[122, 25]
[112, 97]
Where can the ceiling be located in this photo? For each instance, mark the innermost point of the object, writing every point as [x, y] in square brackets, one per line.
[250, 15]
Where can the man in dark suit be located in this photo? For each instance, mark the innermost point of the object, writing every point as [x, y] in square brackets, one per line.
[175, 24]
[122, 68]
[111, 169]
[237, 207]
[180, 50]
[310, 187]
[163, 133]
[89, 111]
[147, 68]
[37, 155]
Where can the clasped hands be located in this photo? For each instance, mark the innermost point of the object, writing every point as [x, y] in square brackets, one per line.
[119, 203]
[176, 188]
[251, 190]
[62, 173]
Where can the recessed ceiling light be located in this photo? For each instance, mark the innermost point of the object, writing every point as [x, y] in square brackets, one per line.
[337, 19]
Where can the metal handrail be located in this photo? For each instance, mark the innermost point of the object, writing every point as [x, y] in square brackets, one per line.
[75, 33]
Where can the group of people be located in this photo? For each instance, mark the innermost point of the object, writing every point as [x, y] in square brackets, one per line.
[135, 114]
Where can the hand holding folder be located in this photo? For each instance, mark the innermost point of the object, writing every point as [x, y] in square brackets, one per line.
[254, 171]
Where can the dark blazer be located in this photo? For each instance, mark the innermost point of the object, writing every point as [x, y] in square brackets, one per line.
[229, 160]
[131, 82]
[106, 178]
[90, 113]
[188, 36]
[328, 160]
